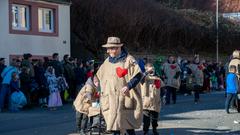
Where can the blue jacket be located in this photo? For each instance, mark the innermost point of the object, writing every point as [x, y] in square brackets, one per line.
[7, 74]
[141, 65]
[232, 83]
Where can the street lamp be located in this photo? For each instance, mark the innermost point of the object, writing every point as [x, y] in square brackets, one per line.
[217, 41]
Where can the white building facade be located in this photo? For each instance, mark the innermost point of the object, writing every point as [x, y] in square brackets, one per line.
[39, 27]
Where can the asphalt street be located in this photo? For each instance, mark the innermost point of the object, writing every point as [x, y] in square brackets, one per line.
[183, 118]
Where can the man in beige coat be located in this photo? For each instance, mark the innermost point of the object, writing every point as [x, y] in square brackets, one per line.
[236, 62]
[121, 102]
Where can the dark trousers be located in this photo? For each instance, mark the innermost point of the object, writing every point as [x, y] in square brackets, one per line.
[183, 87]
[72, 89]
[238, 105]
[197, 89]
[81, 121]
[148, 117]
[171, 91]
[62, 97]
[229, 100]
[129, 132]
[4, 95]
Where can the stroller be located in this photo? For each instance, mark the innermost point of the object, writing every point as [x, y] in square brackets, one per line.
[97, 125]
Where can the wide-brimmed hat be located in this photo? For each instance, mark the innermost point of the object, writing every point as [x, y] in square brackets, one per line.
[113, 42]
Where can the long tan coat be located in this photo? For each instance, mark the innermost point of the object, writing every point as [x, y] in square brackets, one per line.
[82, 103]
[197, 72]
[120, 112]
[151, 94]
[235, 62]
[170, 72]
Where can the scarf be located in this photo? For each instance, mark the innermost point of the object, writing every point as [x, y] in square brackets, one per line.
[120, 57]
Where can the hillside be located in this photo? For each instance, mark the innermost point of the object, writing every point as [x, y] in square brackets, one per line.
[147, 27]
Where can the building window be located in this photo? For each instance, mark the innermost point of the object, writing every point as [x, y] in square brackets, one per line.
[20, 17]
[45, 20]
[32, 17]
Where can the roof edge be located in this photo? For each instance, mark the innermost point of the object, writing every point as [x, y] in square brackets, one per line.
[66, 2]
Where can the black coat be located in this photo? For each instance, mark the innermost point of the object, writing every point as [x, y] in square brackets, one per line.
[58, 67]
[39, 77]
[25, 82]
[80, 76]
[1, 70]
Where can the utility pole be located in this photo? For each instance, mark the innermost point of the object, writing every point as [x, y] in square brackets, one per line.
[217, 37]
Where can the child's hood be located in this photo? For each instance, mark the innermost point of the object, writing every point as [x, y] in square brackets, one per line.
[90, 82]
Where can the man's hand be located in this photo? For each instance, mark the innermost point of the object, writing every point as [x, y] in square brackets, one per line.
[125, 91]
[149, 70]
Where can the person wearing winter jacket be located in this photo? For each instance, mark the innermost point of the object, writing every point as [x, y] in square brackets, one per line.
[171, 78]
[7, 76]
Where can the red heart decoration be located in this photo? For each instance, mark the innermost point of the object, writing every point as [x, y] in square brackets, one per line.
[157, 83]
[121, 72]
[96, 95]
[173, 66]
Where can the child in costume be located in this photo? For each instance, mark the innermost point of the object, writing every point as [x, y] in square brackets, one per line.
[151, 90]
[83, 102]
[54, 99]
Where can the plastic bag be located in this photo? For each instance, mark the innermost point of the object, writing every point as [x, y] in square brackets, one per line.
[17, 101]
[66, 95]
